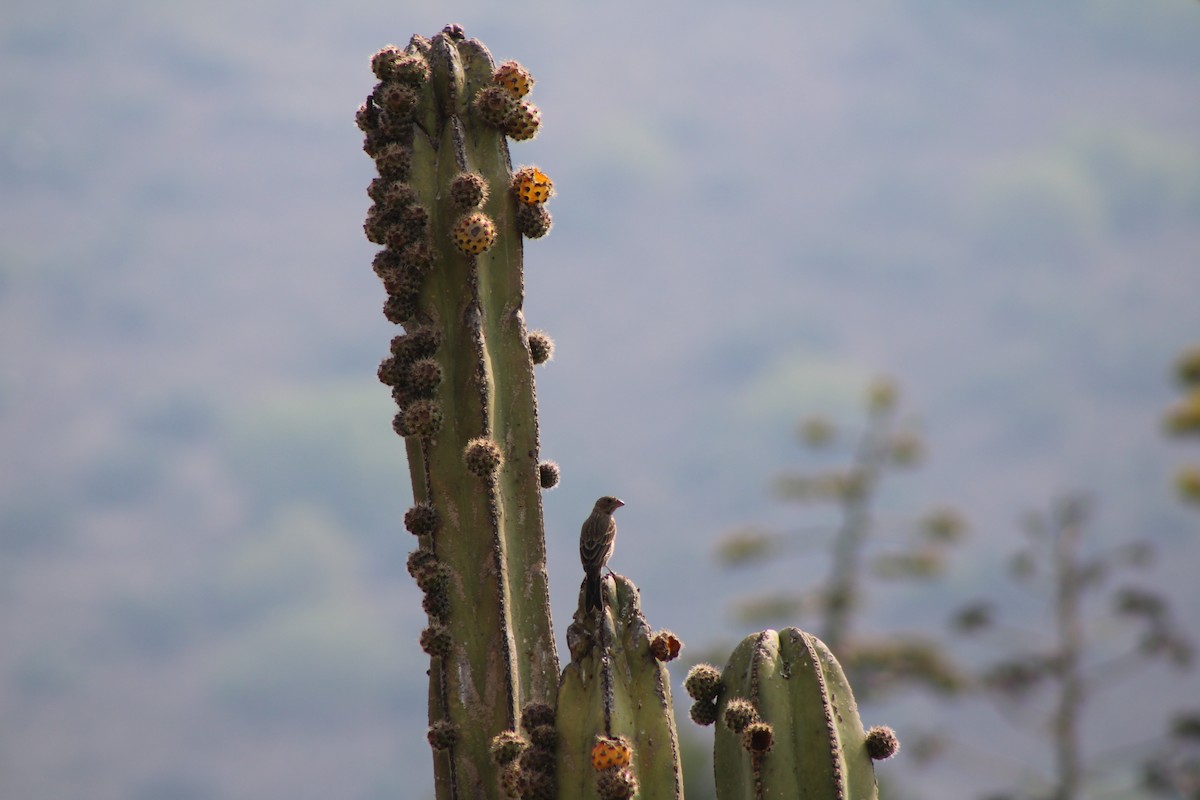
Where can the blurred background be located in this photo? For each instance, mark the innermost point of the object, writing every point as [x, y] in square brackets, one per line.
[761, 208]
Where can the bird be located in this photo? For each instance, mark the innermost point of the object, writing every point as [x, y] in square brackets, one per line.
[597, 538]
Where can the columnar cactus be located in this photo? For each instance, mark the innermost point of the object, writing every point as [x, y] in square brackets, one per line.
[788, 726]
[615, 720]
[449, 215]
[452, 217]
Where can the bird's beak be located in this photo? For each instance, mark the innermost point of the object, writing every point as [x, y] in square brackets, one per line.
[619, 502]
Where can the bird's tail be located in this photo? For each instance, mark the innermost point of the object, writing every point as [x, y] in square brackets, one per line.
[591, 593]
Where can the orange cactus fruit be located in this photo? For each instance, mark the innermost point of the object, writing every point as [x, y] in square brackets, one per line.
[610, 752]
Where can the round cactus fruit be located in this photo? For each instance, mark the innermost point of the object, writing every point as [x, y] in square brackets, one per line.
[541, 347]
[758, 737]
[410, 69]
[548, 474]
[610, 752]
[536, 785]
[418, 558]
[703, 682]
[703, 712]
[882, 743]
[483, 457]
[442, 735]
[424, 376]
[545, 737]
[537, 759]
[393, 161]
[739, 713]
[533, 222]
[665, 646]
[474, 233]
[435, 640]
[400, 426]
[436, 605]
[616, 784]
[423, 418]
[398, 99]
[496, 106]
[525, 121]
[421, 519]
[467, 191]
[384, 61]
[401, 304]
[532, 186]
[507, 746]
[536, 714]
[514, 78]
[433, 577]
[510, 780]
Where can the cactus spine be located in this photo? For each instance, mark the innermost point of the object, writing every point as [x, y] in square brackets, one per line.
[802, 738]
[616, 689]
[470, 418]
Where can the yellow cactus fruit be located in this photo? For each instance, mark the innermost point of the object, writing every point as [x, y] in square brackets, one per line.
[532, 186]
[474, 233]
[514, 78]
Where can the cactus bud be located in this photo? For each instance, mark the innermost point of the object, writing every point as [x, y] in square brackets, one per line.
[418, 558]
[665, 646]
[548, 474]
[544, 736]
[433, 577]
[483, 458]
[398, 99]
[474, 233]
[535, 715]
[384, 62]
[400, 426]
[533, 222]
[495, 106]
[703, 682]
[442, 735]
[541, 347]
[616, 784]
[435, 640]
[536, 785]
[393, 161]
[882, 743]
[424, 376]
[704, 712]
[423, 418]
[514, 78]
[532, 186]
[410, 69]
[421, 519]
[507, 747]
[739, 713]
[758, 737]
[436, 604]
[401, 304]
[468, 191]
[536, 760]
[510, 780]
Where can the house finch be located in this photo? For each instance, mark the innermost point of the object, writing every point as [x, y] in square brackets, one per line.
[596, 541]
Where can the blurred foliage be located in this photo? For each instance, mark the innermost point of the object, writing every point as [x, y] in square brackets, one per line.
[1059, 669]
[878, 664]
[1183, 419]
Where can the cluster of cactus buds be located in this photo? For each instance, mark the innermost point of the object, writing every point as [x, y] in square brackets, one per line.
[527, 761]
